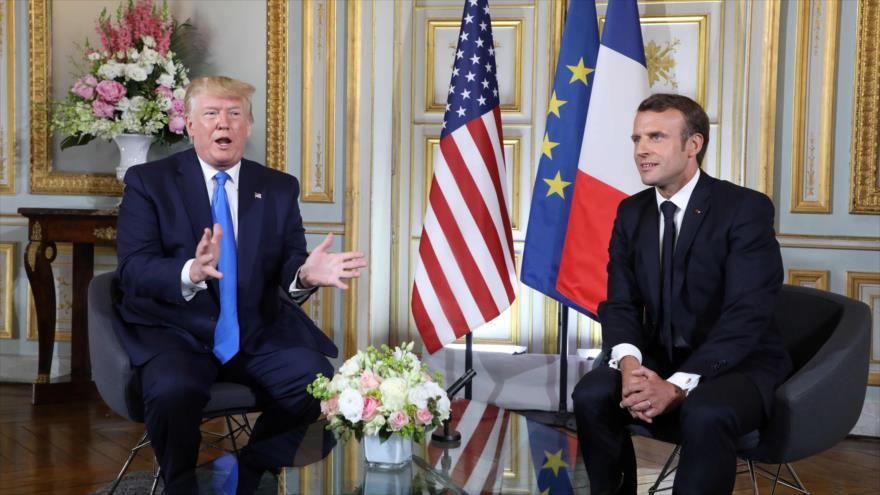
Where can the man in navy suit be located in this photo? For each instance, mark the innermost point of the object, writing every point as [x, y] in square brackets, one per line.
[212, 261]
[693, 275]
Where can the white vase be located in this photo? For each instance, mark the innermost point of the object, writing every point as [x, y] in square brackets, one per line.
[394, 453]
[133, 150]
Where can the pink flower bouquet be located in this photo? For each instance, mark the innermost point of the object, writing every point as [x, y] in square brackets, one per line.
[382, 392]
[134, 84]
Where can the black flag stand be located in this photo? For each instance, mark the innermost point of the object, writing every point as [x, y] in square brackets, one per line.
[452, 439]
[562, 414]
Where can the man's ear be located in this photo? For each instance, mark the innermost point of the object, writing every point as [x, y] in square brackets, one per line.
[695, 144]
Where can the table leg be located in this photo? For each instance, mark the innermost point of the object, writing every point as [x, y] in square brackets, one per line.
[83, 270]
[38, 258]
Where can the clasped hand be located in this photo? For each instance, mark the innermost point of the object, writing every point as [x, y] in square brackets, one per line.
[647, 395]
[321, 269]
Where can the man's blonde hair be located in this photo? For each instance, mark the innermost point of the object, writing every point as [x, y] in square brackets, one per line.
[220, 86]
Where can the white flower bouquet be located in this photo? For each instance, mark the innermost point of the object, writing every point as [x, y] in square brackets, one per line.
[382, 392]
[134, 84]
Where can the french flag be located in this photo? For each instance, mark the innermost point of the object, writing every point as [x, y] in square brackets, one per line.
[606, 169]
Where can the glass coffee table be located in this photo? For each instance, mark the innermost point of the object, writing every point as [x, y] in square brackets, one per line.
[501, 451]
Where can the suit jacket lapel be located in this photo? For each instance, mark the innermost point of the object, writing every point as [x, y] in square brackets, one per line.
[191, 185]
[649, 233]
[250, 217]
[697, 208]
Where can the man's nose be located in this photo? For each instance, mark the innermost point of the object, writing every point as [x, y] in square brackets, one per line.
[222, 121]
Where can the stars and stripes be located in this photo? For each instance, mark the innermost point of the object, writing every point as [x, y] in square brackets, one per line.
[465, 273]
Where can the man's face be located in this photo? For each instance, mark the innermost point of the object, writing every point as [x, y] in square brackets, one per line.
[661, 158]
[219, 128]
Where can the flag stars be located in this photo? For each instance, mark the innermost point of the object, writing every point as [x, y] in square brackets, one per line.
[482, 100]
[495, 92]
[468, 19]
[475, 59]
[554, 462]
[547, 146]
[447, 107]
[444, 122]
[455, 71]
[463, 37]
[488, 67]
[466, 95]
[461, 111]
[555, 104]
[480, 42]
[557, 187]
[579, 72]
[485, 84]
[486, 9]
[459, 54]
[473, 3]
[470, 76]
[492, 50]
[451, 89]
[483, 26]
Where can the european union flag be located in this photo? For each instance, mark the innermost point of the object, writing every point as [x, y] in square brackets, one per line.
[560, 150]
[553, 456]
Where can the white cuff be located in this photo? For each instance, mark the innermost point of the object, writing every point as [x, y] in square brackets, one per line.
[621, 351]
[298, 295]
[684, 381]
[187, 288]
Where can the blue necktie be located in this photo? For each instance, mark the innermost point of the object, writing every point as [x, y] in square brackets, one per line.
[226, 333]
[668, 208]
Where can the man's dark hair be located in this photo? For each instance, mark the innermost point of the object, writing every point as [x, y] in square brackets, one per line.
[695, 119]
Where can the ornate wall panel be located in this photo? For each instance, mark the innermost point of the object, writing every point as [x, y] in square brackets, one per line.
[276, 84]
[319, 307]
[817, 279]
[814, 95]
[8, 262]
[7, 97]
[865, 179]
[318, 100]
[865, 287]
[62, 271]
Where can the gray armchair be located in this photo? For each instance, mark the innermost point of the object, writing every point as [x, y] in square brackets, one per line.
[119, 385]
[829, 338]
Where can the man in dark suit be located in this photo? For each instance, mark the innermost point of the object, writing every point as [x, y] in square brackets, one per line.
[693, 274]
[212, 260]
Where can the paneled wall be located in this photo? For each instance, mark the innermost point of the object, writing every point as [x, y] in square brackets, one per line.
[350, 98]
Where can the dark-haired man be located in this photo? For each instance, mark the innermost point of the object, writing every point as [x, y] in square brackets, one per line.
[693, 274]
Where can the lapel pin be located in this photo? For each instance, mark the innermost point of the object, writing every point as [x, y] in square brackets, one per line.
[698, 211]
[258, 195]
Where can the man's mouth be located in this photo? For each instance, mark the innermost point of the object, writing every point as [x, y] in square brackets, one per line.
[223, 142]
[647, 165]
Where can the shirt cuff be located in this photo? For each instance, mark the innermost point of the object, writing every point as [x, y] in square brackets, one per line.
[684, 381]
[621, 351]
[298, 295]
[188, 288]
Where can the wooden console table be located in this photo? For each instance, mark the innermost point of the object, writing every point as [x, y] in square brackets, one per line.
[85, 229]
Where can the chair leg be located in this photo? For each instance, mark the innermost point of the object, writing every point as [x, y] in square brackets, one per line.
[776, 478]
[665, 472]
[143, 442]
[231, 434]
[753, 476]
[156, 473]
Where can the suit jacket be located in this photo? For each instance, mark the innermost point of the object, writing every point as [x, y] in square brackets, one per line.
[727, 271]
[164, 211]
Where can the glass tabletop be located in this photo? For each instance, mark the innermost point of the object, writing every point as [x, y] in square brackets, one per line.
[501, 451]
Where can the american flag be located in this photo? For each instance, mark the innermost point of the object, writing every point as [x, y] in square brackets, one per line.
[465, 274]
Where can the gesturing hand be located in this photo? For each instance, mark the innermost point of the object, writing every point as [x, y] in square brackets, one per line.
[650, 395]
[326, 269]
[207, 255]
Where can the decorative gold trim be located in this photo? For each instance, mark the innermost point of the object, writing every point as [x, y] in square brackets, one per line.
[105, 233]
[328, 475]
[551, 325]
[36, 232]
[276, 84]
[431, 25]
[42, 378]
[702, 22]
[396, 130]
[319, 307]
[854, 282]
[351, 462]
[769, 71]
[8, 249]
[803, 155]
[31, 255]
[43, 179]
[9, 53]
[809, 278]
[321, 165]
[352, 164]
[513, 422]
[815, 241]
[558, 12]
[433, 142]
[865, 177]
[740, 51]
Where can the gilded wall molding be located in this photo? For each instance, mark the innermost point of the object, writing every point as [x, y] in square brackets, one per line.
[817, 279]
[319, 86]
[276, 84]
[865, 179]
[769, 71]
[865, 287]
[7, 291]
[834, 242]
[814, 92]
[7, 133]
[352, 164]
[43, 178]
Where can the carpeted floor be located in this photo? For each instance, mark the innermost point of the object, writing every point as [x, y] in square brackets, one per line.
[139, 484]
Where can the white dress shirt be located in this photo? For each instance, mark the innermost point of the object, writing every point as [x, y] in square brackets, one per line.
[188, 287]
[685, 381]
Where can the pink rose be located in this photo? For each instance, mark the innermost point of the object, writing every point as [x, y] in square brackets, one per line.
[102, 109]
[165, 91]
[85, 87]
[371, 404]
[368, 381]
[423, 416]
[176, 124]
[177, 106]
[329, 406]
[111, 91]
[398, 420]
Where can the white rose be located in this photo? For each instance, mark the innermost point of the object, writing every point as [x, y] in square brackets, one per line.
[375, 424]
[350, 367]
[110, 70]
[434, 390]
[166, 80]
[124, 104]
[337, 384]
[133, 54]
[419, 396]
[135, 72]
[169, 66]
[150, 56]
[351, 405]
[394, 393]
[179, 93]
[443, 407]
